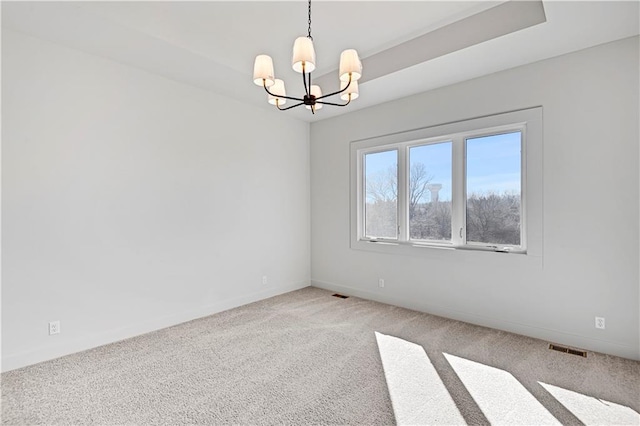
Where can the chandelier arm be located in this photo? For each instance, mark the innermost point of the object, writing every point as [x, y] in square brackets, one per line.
[281, 96]
[307, 89]
[289, 107]
[335, 93]
[334, 104]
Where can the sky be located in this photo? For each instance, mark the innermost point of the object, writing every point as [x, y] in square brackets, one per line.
[493, 163]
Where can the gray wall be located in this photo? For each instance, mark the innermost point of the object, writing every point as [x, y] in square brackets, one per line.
[590, 206]
[131, 202]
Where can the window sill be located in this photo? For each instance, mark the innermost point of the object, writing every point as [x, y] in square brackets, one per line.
[445, 252]
[446, 246]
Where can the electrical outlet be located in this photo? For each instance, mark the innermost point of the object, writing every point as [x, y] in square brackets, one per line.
[600, 323]
[381, 283]
[54, 327]
[264, 280]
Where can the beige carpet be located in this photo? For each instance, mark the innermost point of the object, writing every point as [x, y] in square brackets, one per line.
[308, 358]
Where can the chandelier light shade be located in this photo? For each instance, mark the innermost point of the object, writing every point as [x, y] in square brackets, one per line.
[351, 92]
[303, 61]
[304, 55]
[278, 97]
[350, 66]
[263, 71]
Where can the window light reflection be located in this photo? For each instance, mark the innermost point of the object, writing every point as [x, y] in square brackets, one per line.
[593, 411]
[417, 393]
[500, 396]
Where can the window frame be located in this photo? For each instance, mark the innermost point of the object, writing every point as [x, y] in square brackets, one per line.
[431, 141]
[527, 121]
[502, 130]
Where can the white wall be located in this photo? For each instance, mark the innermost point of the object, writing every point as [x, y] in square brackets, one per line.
[131, 202]
[590, 258]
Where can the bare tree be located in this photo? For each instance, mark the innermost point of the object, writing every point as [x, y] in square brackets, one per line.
[382, 186]
[418, 181]
[493, 218]
[382, 198]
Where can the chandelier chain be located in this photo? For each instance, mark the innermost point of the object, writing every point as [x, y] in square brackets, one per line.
[309, 30]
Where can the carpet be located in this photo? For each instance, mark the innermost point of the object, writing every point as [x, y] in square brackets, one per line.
[306, 357]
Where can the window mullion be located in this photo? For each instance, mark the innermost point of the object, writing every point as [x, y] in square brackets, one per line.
[458, 192]
[403, 199]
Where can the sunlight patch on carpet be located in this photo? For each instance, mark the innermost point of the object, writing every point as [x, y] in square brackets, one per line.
[417, 393]
[593, 411]
[500, 396]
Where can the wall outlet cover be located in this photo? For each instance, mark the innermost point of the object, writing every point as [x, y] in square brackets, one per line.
[54, 327]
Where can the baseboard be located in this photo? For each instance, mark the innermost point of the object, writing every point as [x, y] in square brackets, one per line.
[23, 359]
[552, 336]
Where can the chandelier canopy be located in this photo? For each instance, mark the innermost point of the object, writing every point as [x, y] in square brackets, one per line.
[304, 62]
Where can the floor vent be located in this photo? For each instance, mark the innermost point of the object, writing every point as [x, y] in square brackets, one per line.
[568, 350]
[341, 296]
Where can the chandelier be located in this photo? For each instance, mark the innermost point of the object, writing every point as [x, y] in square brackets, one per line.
[304, 62]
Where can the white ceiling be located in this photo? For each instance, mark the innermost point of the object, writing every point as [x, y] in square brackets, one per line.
[212, 44]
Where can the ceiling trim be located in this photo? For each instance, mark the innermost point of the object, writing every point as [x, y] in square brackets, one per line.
[503, 19]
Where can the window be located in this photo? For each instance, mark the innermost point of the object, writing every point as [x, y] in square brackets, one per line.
[493, 189]
[381, 194]
[465, 185]
[429, 192]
